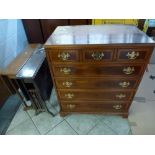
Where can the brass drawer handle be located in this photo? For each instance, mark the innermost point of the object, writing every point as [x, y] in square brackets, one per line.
[128, 70]
[124, 84]
[97, 55]
[120, 96]
[132, 55]
[64, 56]
[71, 106]
[117, 107]
[69, 95]
[65, 70]
[67, 84]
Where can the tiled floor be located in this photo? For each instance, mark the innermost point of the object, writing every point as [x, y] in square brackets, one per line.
[142, 110]
[45, 124]
[7, 112]
[27, 123]
[141, 118]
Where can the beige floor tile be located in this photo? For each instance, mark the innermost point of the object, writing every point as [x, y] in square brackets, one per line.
[25, 128]
[62, 129]
[147, 85]
[102, 129]
[45, 122]
[117, 124]
[19, 117]
[81, 123]
[142, 118]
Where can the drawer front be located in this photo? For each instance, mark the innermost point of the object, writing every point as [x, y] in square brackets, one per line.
[73, 95]
[64, 55]
[93, 107]
[98, 70]
[99, 83]
[102, 55]
[130, 55]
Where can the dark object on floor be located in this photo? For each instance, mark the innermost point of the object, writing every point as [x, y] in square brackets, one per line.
[7, 112]
[152, 77]
[140, 99]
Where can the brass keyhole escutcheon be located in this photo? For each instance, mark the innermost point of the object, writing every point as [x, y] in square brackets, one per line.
[124, 84]
[132, 55]
[128, 70]
[69, 95]
[120, 96]
[117, 107]
[70, 106]
[97, 55]
[64, 56]
[65, 70]
[67, 84]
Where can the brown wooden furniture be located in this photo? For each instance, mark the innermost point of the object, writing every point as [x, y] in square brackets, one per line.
[28, 75]
[9, 73]
[97, 69]
[38, 30]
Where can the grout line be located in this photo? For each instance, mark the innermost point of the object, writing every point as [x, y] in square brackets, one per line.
[95, 124]
[53, 127]
[130, 131]
[111, 128]
[33, 122]
[100, 121]
[92, 128]
[71, 127]
[19, 123]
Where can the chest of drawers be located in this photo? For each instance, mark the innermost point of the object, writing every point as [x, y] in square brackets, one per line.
[97, 69]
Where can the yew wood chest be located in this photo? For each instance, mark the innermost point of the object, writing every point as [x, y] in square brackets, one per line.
[97, 69]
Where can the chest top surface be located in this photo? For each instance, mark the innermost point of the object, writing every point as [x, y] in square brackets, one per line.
[98, 34]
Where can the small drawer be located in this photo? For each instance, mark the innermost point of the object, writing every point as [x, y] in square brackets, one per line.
[93, 83]
[67, 55]
[93, 107]
[90, 95]
[127, 70]
[101, 55]
[133, 54]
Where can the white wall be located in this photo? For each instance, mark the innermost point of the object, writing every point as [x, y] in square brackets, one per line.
[12, 40]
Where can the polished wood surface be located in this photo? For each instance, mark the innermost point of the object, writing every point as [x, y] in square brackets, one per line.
[97, 69]
[87, 70]
[70, 55]
[98, 107]
[13, 68]
[99, 34]
[8, 74]
[96, 83]
[86, 95]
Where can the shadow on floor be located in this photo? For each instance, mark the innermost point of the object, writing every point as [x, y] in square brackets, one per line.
[7, 112]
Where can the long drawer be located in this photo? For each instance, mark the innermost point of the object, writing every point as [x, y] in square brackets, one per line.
[91, 95]
[93, 107]
[127, 70]
[96, 83]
